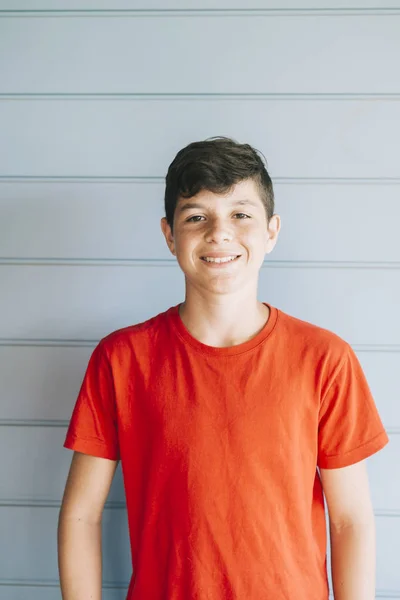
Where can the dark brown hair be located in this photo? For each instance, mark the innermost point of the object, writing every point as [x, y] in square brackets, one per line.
[215, 164]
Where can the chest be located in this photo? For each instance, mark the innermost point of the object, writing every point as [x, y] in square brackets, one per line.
[202, 406]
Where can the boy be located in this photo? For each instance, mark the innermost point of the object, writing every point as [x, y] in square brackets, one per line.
[231, 419]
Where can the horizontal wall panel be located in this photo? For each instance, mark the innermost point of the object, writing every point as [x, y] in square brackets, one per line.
[51, 380]
[86, 302]
[118, 54]
[53, 375]
[32, 546]
[383, 469]
[382, 369]
[52, 593]
[31, 535]
[25, 592]
[40, 465]
[140, 137]
[122, 221]
[387, 553]
[83, 302]
[34, 447]
[32, 5]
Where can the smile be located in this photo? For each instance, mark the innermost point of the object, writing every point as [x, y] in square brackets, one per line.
[225, 259]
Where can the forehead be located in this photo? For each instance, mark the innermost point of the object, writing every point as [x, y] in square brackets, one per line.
[244, 193]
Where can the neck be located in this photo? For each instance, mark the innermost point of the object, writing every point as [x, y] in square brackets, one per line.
[225, 323]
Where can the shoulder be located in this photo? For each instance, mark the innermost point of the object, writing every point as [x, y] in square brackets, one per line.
[322, 357]
[132, 336]
[312, 340]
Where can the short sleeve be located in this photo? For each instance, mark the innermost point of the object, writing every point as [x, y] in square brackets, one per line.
[350, 428]
[93, 425]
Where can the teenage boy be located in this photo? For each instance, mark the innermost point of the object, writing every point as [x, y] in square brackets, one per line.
[231, 419]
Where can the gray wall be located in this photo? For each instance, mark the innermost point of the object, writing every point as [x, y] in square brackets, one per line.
[93, 107]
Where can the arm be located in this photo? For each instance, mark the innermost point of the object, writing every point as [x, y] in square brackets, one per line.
[352, 531]
[79, 526]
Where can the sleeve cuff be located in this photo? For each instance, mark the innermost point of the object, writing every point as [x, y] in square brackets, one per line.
[354, 456]
[91, 447]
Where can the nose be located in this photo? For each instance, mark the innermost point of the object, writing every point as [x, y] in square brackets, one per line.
[218, 231]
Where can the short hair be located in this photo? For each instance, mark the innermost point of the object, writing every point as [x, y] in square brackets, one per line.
[215, 164]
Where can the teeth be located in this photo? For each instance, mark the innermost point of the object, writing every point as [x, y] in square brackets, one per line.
[219, 260]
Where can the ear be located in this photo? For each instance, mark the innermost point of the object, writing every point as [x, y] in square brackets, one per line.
[274, 227]
[169, 238]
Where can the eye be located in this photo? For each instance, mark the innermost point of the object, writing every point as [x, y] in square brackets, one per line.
[194, 217]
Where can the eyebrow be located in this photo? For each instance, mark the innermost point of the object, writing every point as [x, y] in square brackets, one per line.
[189, 205]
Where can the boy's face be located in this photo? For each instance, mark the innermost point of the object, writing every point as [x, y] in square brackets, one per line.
[230, 225]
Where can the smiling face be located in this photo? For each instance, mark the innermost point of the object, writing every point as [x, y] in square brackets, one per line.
[231, 227]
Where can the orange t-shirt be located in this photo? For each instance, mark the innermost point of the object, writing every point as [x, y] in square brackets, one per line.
[219, 450]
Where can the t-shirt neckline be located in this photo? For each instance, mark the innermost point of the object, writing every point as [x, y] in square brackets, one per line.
[187, 337]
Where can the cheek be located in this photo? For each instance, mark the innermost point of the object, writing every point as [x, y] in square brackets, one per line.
[253, 235]
[184, 244]
[257, 242]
